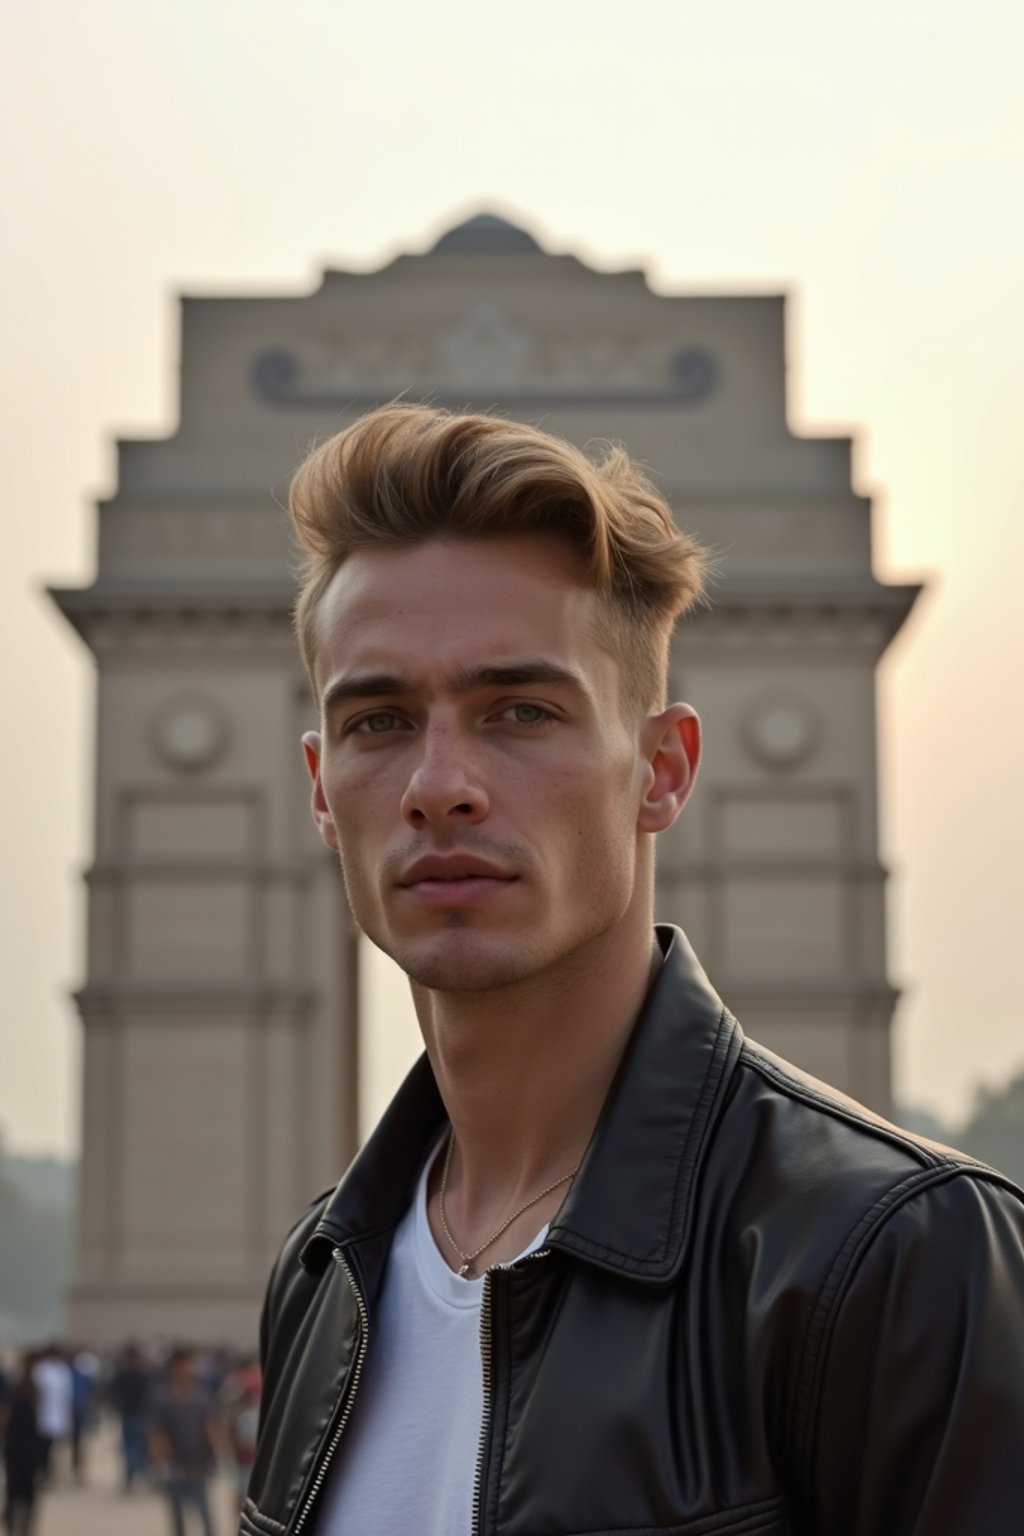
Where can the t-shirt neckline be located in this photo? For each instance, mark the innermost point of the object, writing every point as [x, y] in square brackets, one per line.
[441, 1280]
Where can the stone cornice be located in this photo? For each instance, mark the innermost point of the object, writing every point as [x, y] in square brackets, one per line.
[184, 1289]
[151, 618]
[827, 616]
[255, 619]
[263, 871]
[862, 590]
[130, 1002]
[769, 866]
[802, 997]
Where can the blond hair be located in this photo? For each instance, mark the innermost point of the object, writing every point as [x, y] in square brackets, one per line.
[403, 474]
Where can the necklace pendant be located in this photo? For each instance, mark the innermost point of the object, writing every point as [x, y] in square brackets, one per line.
[464, 1272]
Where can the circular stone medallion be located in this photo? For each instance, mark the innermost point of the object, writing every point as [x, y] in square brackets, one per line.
[781, 731]
[190, 733]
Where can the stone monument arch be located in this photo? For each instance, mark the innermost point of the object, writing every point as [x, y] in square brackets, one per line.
[220, 1006]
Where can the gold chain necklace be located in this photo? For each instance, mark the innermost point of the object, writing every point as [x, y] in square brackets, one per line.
[469, 1259]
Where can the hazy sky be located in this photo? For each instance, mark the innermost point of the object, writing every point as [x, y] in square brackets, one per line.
[866, 158]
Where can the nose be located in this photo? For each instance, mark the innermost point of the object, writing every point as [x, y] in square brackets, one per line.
[445, 785]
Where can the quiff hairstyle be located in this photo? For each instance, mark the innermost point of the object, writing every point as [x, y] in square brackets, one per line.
[405, 474]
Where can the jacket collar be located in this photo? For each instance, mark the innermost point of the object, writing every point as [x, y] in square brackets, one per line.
[630, 1205]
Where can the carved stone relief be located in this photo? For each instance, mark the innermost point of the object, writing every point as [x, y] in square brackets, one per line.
[781, 730]
[190, 733]
[487, 350]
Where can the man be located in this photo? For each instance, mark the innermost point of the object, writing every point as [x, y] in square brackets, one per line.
[55, 1385]
[182, 1442]
[22, 1446]
[240, 1401]
[604, 1266]
[131, 1391]
[85, 1371]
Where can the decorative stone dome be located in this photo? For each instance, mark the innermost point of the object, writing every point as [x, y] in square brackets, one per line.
[487, 235]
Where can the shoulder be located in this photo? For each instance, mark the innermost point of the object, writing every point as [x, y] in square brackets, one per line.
[829, 1172]
[828, 1121]
[905, 1260]
[893, 1259]
[839, 1176]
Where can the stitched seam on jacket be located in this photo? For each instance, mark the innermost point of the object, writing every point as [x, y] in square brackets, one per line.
[829, 1302]
[737, 1519]
[263, 1523]
[705, 1104]
[800, 1090]
[698, 1128]
[949, 1158]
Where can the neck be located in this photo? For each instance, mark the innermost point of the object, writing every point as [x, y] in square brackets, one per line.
[523, 1071]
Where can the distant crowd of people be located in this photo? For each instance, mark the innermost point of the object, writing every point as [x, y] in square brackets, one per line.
[179, 1413]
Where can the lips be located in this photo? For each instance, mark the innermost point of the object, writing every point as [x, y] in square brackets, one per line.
[451, 869]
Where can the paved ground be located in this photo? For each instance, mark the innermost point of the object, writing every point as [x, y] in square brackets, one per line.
[100, 1509]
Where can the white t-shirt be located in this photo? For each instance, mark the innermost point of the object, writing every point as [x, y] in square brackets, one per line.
[55, 1386]
[407, 1460]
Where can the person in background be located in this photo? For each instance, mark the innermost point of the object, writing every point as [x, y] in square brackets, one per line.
[23, 1450]
[5, 1397]
[240, 1399]
[182, 1442]
[213, 1368]
[85, 1371]
[131, 1392]
[53, 1379]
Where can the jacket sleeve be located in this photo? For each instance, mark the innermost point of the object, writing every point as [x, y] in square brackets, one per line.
[917, 1414]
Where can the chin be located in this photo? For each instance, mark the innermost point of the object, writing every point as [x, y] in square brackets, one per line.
[464, 962]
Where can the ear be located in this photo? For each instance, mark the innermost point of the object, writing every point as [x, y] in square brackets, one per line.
[311, 747]
[670, 745]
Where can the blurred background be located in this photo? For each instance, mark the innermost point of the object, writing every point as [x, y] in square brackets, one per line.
[863, 163]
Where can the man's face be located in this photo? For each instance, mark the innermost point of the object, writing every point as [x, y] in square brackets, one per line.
[475, 768]
[183, 1373]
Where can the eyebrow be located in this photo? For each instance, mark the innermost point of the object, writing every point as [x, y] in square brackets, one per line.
[515, 674]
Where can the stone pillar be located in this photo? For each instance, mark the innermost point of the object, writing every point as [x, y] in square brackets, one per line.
[220, 1011]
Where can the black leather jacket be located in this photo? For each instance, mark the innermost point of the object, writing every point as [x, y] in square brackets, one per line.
[759, 1309]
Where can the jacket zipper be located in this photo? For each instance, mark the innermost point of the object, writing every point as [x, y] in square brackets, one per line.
[488, 1375]
[339, 1428]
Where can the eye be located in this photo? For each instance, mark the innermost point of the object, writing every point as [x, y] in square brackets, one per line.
[527, 714]
[377, 724]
